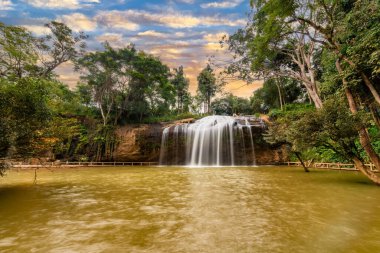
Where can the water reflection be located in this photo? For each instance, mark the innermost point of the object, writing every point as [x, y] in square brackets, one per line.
[188, 210]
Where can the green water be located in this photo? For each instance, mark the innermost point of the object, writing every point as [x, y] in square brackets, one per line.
[261, 209]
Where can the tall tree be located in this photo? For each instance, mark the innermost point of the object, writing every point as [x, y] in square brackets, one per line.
[207, 86]
[181, 85]
[23, 55]
[151, 93]
[108, 73]
[59, 46]
[270, 48]
[18, 54]
[326, 23]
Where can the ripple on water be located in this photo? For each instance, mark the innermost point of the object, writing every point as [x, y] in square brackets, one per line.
[189, 210]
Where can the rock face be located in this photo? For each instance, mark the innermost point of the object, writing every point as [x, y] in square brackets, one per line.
[141, 143]
[138, 143]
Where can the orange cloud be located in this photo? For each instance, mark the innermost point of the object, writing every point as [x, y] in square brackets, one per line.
[78, 22]
[131, 19]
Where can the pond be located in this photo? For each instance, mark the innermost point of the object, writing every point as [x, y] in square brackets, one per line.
[170, 209]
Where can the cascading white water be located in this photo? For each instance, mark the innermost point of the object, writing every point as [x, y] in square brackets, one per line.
[210, 141]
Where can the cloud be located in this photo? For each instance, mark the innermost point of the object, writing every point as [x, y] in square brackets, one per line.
[153, 34]
[37, 29]
[110, 37]
[213, 41]
[222, 5]
[116, 19]
[214, 37]
[131, 19]
[6, 5]
[213, 46]
[67, 75]
[61, 4]
[186, 1]
[179, 34]
[116, 40]
[78, 22]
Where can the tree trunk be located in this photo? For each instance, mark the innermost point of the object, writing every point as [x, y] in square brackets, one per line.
[302, 163]
[331, 41]
[364, 77]
[375, 115]
[316, 99]
[209, 106]
[367, 172]
[279, 94]
[370, 86]
[363, 134]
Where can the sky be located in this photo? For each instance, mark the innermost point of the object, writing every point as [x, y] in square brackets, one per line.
[179, 32]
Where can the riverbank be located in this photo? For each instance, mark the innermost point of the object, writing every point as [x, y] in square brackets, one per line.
[331, 166]
[323, 166]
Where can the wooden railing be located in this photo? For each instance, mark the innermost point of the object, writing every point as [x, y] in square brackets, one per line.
[332, 166]
[82, 164]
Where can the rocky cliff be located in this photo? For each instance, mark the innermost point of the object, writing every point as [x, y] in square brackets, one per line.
[138, 142]
[141, 142]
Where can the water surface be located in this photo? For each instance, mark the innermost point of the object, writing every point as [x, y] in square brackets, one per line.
[262, 209]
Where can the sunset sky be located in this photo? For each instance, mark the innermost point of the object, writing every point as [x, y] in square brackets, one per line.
[179, 32]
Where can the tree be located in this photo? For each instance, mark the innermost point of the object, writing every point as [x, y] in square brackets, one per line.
[230, 104]
[181, 85]
[18, 55]
[108, 74]
[350, 30]
[23, 55]
[325, 23]
[271, 48]
[332, 127]
[207, 86]
[60, 46]
[268, 97]
[24, 111]
[151, 92]
[126, 84]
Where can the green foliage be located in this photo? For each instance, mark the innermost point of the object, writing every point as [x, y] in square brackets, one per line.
[23, 55]
[18, 55]
[23, 111]
[360, 31]
[150, 91]
[60, 46]
[268, 97]
[125, 84]
[207, 86]
[292, 111]
[181, 86]
[331, 131]
[230, 104]
[170, 117]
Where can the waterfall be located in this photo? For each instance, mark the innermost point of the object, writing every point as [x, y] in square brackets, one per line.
[210, 141]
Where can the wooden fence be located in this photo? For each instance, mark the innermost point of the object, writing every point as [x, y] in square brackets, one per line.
[81, 164]
[331, 166]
